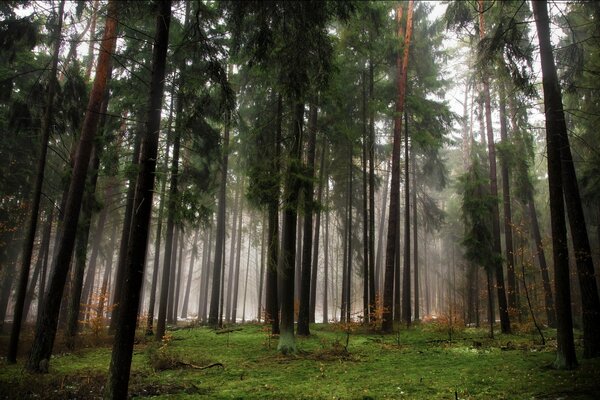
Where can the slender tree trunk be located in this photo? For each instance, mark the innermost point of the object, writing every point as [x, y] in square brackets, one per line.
[46, 329]
[378, 261]
[246, 282]
[203, 301]
[261, 279]
[36, 195]
[41, 265]
[188, 285]
[179, 275]
[88, 286]
[511, 280]
[502, 303]
[170, 238]
[90, 55]
[87, 209]
[350, 258]
[365, 210]
[406, 306]
[537, 237]
[307, 247]
[315, 257]
[172, 277]
[103, 297]
[326, 256]
[555, 123]
[213, 318]
[371, 146]
[159, 226]
[391, 250]
[125, 232]
[236, 275]
[415, 210]
[285, 271]
[232, 247]
[120, 363]
[272, 302]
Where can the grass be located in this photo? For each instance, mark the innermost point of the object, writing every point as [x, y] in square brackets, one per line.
[420, 363]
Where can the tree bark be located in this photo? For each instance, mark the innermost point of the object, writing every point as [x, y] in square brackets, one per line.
[236, 275]
[125, 232]
[555, 124]
[406, 305]
[213, 317]
[272, 301]
[315, 257]
[36, 195]
[232, 247]
[307, 261]
[391, 250]
[46, 329]
[188, 285]
[501, 292]
[371, 145]
[120, 363]
[511, 280]
[365, 209]
[285, 271]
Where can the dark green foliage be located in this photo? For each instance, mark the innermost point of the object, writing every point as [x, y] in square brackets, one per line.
[477, 206]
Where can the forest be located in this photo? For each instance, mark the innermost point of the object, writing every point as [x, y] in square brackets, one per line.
[299, 199]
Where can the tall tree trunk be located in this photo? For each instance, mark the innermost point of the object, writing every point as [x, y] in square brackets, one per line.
[271, 295]
[125, 231]
[285, 273]
[213, 317]
[415, 210]
[87, 209]
[232, 247]
[371, 146]
[406, 306]
[502, 303]
[120, 363]
[555, 124]
[365, 209]
[179, 275]
[261, 279]
[188, 285]
[315, 257]
[159, 226]
[90, 55]
[206, 254]
[103, 296]
[46, 329]
[537, 237]
[307, 261]
[236, 275]
[170, 319]
[246, 282]
[382, 218]
[511, 280]
[36, 195]
[170, 238]
[391, 250]
[41, 265]
[350, 258]
[326, 262]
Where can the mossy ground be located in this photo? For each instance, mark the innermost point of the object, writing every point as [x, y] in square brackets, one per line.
[419, 363]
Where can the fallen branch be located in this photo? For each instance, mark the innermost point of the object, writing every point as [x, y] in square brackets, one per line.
[193, 366]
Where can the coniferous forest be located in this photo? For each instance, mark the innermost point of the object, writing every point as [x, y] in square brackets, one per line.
[299, 199]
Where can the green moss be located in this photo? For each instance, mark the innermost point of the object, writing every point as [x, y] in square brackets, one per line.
[424, 365]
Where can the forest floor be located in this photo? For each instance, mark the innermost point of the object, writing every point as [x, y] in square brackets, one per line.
[335, 362]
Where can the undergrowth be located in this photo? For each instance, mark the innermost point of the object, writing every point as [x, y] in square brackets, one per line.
[336, 361]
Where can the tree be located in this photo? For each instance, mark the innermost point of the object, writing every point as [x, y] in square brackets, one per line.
[391, 251]
[555, 128]
[36, 195]
[120, 363]
[46, 329]
[502, 303]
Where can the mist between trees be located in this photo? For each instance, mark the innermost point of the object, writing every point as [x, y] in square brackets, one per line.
[289, 163]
